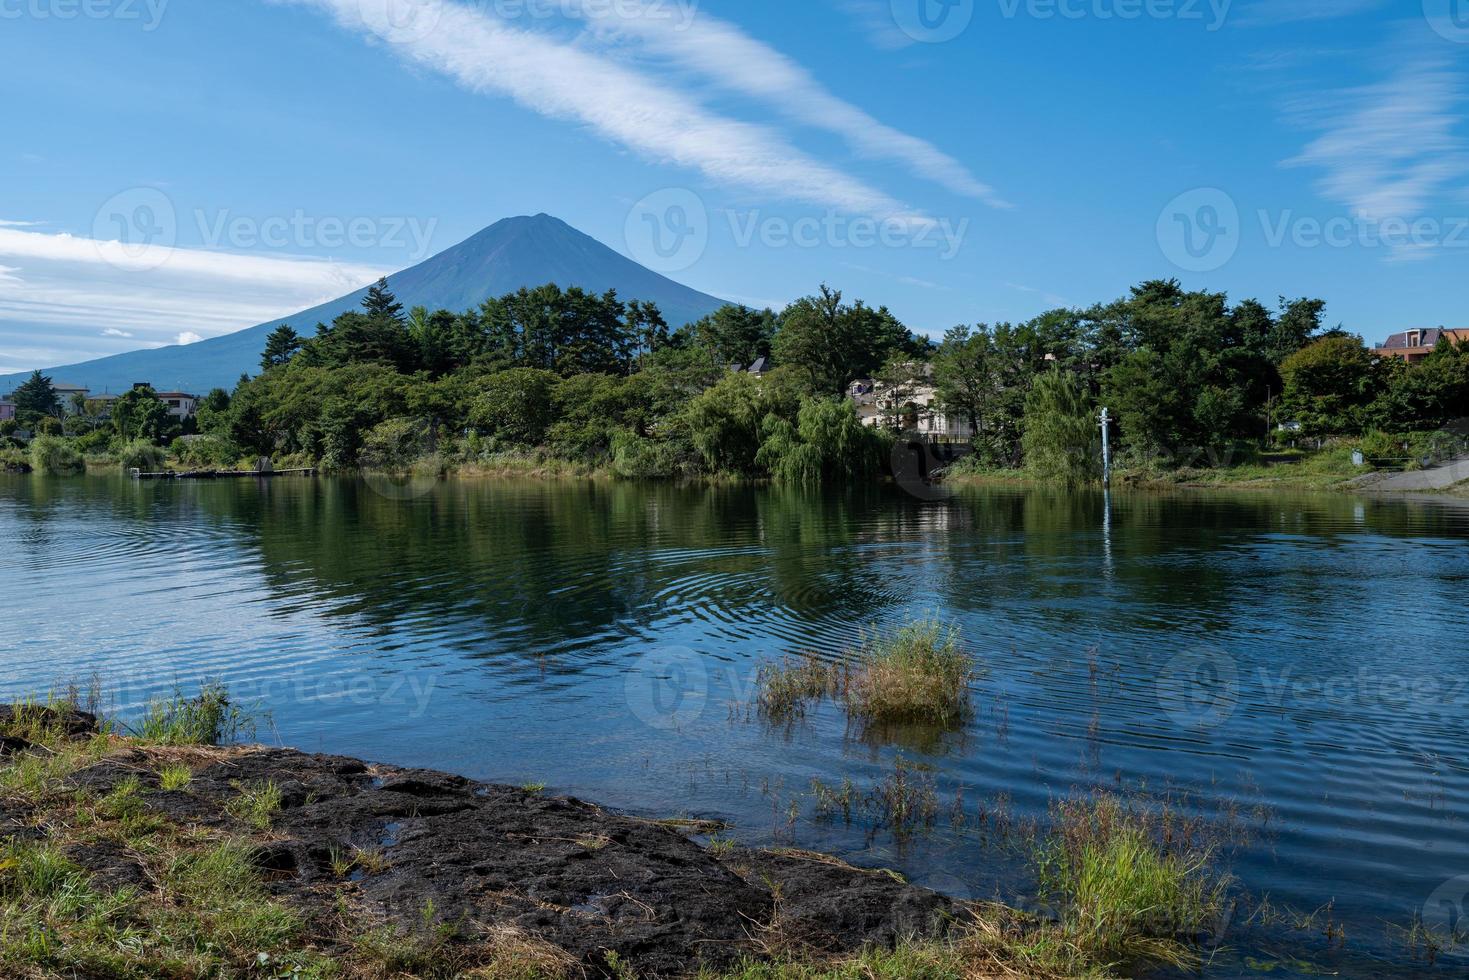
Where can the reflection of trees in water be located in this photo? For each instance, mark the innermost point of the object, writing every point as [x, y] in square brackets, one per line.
[543, 566]
[1203, 557]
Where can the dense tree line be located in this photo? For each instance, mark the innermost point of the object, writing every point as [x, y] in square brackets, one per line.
[1189, 378]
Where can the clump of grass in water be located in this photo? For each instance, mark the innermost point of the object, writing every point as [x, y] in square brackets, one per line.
[210, 718]
[786, 688]
[1125, 894]
[918, 675]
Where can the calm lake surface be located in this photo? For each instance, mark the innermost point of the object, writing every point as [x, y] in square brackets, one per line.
[1295, 665]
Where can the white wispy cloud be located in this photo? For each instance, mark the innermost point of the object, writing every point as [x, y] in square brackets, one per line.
[623, 105]
[725, 53]
[1392, 149]
[874, 18]
[1263, 13]
[72, 287]
[187, 337]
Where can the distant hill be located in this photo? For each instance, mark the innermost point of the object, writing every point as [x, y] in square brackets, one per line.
[515, 252]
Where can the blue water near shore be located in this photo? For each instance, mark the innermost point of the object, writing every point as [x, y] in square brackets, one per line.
[1296, 666]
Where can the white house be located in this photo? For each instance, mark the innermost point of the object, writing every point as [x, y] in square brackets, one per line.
[916, 407]
[180, 404]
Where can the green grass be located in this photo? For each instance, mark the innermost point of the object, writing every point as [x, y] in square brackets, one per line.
[918, 675]
[210, 718]
[1125, 891]
[175, 777]
[256, 805]
[786, 688]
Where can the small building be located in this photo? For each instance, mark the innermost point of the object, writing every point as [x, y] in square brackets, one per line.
[916, 407]
[180, 404]
[1414, 345]
[760, 368]
[101, 405]
[67, 396]
[7, 409]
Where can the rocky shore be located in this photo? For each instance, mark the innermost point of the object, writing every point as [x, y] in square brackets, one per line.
[416, 850]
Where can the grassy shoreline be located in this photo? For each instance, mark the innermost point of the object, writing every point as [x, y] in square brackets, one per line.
[154, 851]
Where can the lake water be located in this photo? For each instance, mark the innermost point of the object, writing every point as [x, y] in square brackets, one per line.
[1299, 662]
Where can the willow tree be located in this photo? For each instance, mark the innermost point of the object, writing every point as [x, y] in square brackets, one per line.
[1061, 442]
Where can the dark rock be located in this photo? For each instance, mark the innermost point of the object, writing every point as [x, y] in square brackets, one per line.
[565, 871]
[11, 746]
[69, 721]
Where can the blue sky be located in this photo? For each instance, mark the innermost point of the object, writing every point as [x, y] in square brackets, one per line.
[174, 171]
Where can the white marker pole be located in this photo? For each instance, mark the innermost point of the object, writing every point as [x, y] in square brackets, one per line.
[1106, 448]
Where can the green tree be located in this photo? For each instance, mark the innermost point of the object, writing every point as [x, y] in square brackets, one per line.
[725, 423]
[827, 444]
[1329, 385]
[516, 406]
[138, 414]
[380, 302]
[282, 344]
[736, 334]
[964, 373]
[1061, 442]
[833, 343]
[35, 399]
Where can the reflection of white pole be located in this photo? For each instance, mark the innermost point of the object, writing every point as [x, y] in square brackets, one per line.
[1106, 448]
[1107, 533]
